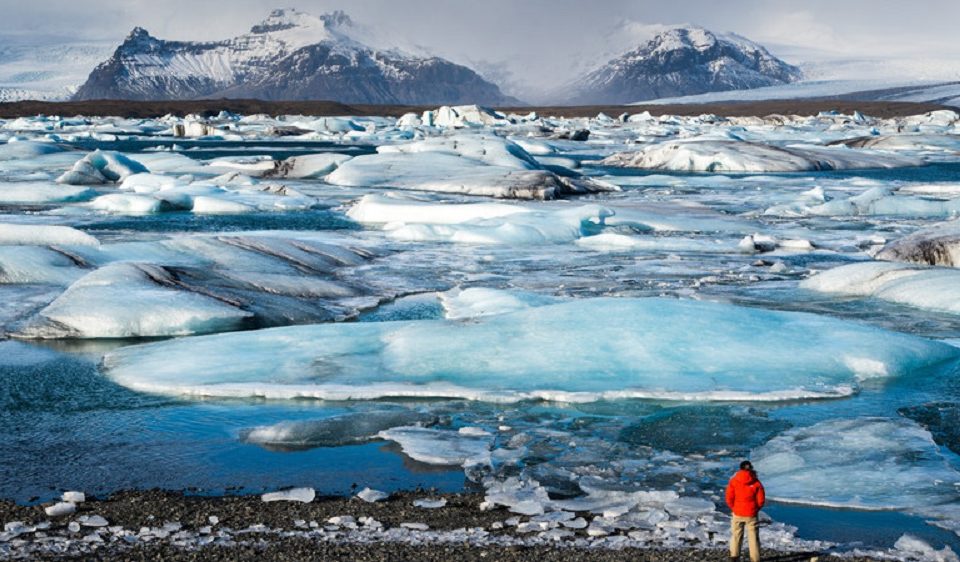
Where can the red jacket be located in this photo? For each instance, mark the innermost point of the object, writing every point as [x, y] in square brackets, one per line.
[745, 494]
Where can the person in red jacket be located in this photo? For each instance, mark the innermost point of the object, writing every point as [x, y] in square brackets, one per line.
[745, 497]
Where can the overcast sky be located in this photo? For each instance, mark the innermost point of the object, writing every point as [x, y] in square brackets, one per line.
[530, 42]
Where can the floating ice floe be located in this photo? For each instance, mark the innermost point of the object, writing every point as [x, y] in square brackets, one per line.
[475, 302]
[127, 299]
[44, 235]
[478, 223]
[936, 245]
[307, 166]
[101, 166]
[741, 156]
[42, 192]
[340, 430]
[441, 446]
[466, 164]
[864, 463]
[584, 350]
[24, 150]
[241, 280]
[877, 201]
[933, 288]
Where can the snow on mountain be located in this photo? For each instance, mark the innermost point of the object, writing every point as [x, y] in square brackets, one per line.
[682, 61]
[45, 72]
[289, 55]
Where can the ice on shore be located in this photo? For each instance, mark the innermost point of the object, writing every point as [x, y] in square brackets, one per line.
[932, 288]
[370, 495]
[865, 463]
[583, 350]
[302, 495]
[741, 156]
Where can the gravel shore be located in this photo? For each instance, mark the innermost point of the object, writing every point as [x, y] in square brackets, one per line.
[157, 525]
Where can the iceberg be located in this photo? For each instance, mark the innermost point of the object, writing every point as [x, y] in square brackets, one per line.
[932, 288]
[307, 166]
[132, 300]
[863, 463]
[742, 156]
[578, 351]
[478, 223]
[467, 164]
[936, 245]
[101, 166]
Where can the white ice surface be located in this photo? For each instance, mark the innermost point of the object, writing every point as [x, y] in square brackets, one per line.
[475, 302]
[866, 463]
[582, 350]
[132, 300]
[441, 446]
[932, 288]
[740, 156]
[43, 235]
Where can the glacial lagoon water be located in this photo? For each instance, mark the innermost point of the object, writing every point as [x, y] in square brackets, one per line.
[297, 339]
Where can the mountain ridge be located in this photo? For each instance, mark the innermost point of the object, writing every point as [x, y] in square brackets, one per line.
[682, 61]
[289, 55]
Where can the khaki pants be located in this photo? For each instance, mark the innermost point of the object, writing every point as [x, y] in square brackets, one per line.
[753, 537]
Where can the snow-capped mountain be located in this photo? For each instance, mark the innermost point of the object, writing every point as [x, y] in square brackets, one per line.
[682, 61]
[290, 55]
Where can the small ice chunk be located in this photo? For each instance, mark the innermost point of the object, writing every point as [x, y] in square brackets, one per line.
[415, 526]
[93, 521]
[74, 497]
[74, 527]
[430, 504]
[60, 509]
[213, 519]
[370, 495]
[304, 495]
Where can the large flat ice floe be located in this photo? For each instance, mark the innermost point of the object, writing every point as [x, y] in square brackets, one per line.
[582, 350]
[865, 463]
[742, 156]
[467, 164]
[932, 288]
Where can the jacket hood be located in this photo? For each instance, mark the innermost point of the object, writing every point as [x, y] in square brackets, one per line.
[744, 477]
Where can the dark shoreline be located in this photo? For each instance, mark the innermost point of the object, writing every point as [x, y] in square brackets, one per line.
[153, 109]
[249, 529]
